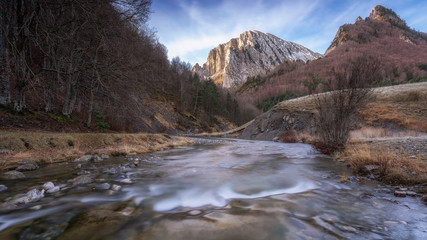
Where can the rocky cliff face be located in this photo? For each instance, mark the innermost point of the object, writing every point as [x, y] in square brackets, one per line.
[250, 54]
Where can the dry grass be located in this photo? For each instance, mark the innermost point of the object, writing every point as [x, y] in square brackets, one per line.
[390, 167]
[410, 116]
[378, 132]
[289, 136]
[58, 147]
[404, 105]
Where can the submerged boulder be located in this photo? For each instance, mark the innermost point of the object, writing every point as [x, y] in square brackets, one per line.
[27, 166]
[10, 175]
[81, 180]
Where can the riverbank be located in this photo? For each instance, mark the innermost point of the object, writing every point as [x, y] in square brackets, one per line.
[20, 147]
[398, 161]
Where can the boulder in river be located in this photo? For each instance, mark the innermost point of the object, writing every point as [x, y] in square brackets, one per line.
[27, 166]
[3, 188]
[81, 180]
[96, 158]
[400, 193]
[53, 190]
[31, 196]
[85, 158]
[13, 175]
[104, 186]
[48, 185]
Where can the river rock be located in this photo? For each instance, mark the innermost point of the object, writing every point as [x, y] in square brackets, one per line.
[48, 185]
[111, 171]
[83, 172]
[31, 196]
[411, 193]
[96, 158]
[13, 175]
[116, 187]
[400, 193]
[105, 156]
[53, 190]
[104, 186]
[126, 180]
[3, 188]
[371, 168]
[27, 166]
[85, 158]
[424, 199]
[81, 180]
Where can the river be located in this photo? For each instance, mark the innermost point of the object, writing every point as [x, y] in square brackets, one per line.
[214, 189]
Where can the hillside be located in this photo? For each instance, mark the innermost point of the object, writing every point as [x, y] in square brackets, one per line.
[401, 52]
[396, 108]
[92, 66]
[252, 53]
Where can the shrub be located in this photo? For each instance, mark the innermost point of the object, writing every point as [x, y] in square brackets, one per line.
[335, 109]
[289, 136]
[422, 66]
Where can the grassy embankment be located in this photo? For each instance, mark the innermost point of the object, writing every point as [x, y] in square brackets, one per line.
[46, 148]
[396, 146]
[391, 137]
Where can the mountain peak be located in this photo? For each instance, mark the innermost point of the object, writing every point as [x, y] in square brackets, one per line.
[250, 54]
[384, 14]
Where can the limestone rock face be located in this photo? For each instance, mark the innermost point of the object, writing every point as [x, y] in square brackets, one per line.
[250, 54]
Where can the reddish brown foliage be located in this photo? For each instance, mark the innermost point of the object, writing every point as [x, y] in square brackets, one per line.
[288, 137]
[399, 50]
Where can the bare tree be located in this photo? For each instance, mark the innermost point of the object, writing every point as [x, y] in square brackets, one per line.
[350, 92]
[4, 53]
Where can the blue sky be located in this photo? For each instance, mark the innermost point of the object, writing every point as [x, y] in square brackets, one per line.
[190, 28]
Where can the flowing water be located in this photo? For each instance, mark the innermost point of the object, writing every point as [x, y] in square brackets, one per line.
[221, 189]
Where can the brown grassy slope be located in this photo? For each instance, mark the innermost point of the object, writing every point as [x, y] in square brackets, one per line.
[406, 110]
[403, 105]
[58, 147]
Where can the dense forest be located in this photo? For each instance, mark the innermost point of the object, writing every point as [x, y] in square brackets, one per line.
[98, 63]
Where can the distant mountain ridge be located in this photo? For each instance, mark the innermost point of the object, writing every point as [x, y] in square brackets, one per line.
[252, 53]
[400, 51]
[378, 14]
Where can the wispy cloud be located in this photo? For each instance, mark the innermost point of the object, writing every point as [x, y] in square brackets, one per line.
[209, 26]
[191, 28]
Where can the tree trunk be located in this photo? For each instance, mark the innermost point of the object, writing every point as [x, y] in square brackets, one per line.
[4, 60]
[19, 102]
[70, 98]
[49, 88]
[90, 109]
[21, 83]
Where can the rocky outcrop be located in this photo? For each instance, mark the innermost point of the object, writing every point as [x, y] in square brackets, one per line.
[381, 13]
[251, 54]
[341, 37]
[269, 125]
